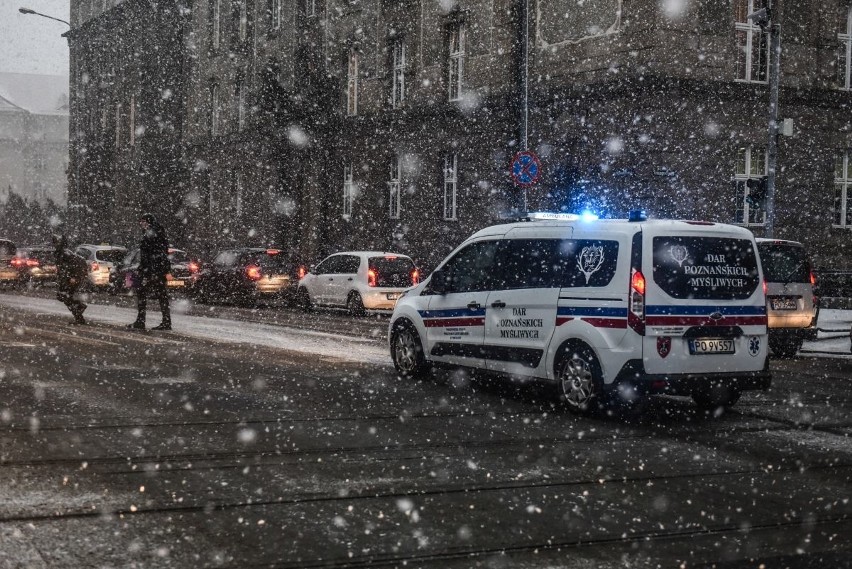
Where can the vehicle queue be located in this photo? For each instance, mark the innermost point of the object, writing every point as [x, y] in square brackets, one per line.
[601, 308]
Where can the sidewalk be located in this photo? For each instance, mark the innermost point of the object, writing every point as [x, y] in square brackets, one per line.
[833, 336]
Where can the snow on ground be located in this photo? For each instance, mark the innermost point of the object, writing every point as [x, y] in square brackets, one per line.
[223, 330]
[833, 339]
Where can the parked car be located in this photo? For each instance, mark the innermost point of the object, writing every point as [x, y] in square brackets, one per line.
[180, 275]
[8, 274]
[244, 276]
[792, 307]
[103, 260]
[35, 264]
[602, 309]
[358, 281]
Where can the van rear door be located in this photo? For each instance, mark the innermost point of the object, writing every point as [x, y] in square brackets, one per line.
[705, 306]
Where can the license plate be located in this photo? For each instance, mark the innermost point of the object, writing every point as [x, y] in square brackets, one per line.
[783, 303]
[175, 283]
[393, 296]
[700, 346]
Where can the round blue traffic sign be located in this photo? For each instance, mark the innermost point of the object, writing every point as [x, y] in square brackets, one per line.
[526, 168]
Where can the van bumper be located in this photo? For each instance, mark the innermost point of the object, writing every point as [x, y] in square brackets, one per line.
[633, 377]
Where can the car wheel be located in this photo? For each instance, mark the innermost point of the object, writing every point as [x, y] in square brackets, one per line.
[716, 396]
[303, 300]
[785, 347]
[407, 352]
[580, 378]
[355, 304]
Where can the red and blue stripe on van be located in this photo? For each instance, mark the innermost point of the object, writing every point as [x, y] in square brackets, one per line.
[667, 315]
[599, 317]
[464, 317]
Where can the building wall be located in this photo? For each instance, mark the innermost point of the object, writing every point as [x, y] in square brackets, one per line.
[33, 155]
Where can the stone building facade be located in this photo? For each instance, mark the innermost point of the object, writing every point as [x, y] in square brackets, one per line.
[370, 124]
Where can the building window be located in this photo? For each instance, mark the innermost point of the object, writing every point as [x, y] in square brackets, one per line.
[455, 78]
[242, 21]
[751, 165]
[348, 190]
[215, 20]
[451, 184]
[752, 43]
[310, 7]
[214, 110]
[240, 104]
[238, 194]
[275, 14]
[117, 125]
[844, 55]
[842, 185]
[132, 121]
[398, 71]
[352, 84]
[393, 188]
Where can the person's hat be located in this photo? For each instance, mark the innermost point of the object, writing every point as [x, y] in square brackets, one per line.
[148, 218]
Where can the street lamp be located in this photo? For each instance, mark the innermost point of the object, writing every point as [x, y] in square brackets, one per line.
[29, 11]
[764, 19]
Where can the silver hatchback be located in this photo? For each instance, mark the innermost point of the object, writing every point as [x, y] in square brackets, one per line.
[791, 305]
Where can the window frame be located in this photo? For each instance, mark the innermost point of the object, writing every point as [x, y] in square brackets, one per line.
[394, 187]
[747, 29]
[398, 63]
[741, 178]
[214, 110]
[352, 83]
[215, 24]
[844, 54]
[348, 189]
[842, 184]
[275, 14]
[239, 103]
[451, 186]
[456, 40]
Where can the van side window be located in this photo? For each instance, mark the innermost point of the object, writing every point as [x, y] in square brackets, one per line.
[555, 263]
[470, 268]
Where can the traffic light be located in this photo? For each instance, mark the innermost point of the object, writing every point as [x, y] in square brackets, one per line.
[756, 190]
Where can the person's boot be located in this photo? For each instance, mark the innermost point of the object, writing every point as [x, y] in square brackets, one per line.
[138, 325]
[164, 325]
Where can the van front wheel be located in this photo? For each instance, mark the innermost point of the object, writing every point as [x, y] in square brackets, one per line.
[580, 378]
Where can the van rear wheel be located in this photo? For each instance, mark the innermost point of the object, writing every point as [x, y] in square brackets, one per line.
[716, 396]
[580, 378]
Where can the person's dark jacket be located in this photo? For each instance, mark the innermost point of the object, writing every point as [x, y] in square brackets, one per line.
[154, 252]
[71, 268]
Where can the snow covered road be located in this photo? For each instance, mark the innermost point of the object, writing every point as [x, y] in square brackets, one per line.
[222, 330]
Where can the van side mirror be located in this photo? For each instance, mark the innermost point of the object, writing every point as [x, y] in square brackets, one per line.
[439, 282]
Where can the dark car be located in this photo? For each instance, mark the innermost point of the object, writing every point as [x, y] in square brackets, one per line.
[179, 277]
[35, 265]
[245, 276]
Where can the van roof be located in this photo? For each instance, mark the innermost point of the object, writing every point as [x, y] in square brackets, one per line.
[621, 226]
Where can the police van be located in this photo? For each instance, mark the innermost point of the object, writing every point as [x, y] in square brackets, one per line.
[600, 307]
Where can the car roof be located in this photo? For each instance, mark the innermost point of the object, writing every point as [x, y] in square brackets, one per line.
[619, 226]
[371, 254]
[779, 241]
[102, 247]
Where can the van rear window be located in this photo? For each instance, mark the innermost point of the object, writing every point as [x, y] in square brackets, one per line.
[708, 268]
[784, 263]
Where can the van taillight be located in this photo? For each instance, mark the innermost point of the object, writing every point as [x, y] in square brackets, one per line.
[636, 312]
[415, 277]
[765, 288]
[372, 278]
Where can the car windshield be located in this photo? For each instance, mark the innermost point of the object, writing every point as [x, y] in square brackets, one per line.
[392, 271]
[178, 257]
[705, 267]
[110, 255]
[41, 255]
[784, 262]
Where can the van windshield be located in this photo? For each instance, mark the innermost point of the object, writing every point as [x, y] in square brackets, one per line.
[784, 263]
[706, 268]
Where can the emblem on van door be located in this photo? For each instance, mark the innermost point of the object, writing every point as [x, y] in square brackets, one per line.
[664, 346]
[679, 253]
[754, 346]
[590, 260]
[716, 316]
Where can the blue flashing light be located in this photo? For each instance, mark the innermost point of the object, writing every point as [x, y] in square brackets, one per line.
[637, 215]
[587, 215]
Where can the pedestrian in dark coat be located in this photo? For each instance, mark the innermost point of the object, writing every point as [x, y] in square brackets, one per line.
[154, 265]
[71, 271]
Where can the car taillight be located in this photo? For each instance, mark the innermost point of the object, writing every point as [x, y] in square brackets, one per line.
[193, 267]
[253, 273]
[813, 279]
[765, 288]
[302, 272]
[17, 262]
[372, 278]
[636, 313]
[95, 267]
[33, 263]
[415, 277]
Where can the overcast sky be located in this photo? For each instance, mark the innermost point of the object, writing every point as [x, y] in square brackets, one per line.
[32, 44]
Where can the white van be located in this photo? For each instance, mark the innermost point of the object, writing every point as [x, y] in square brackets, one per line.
[603, 307]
